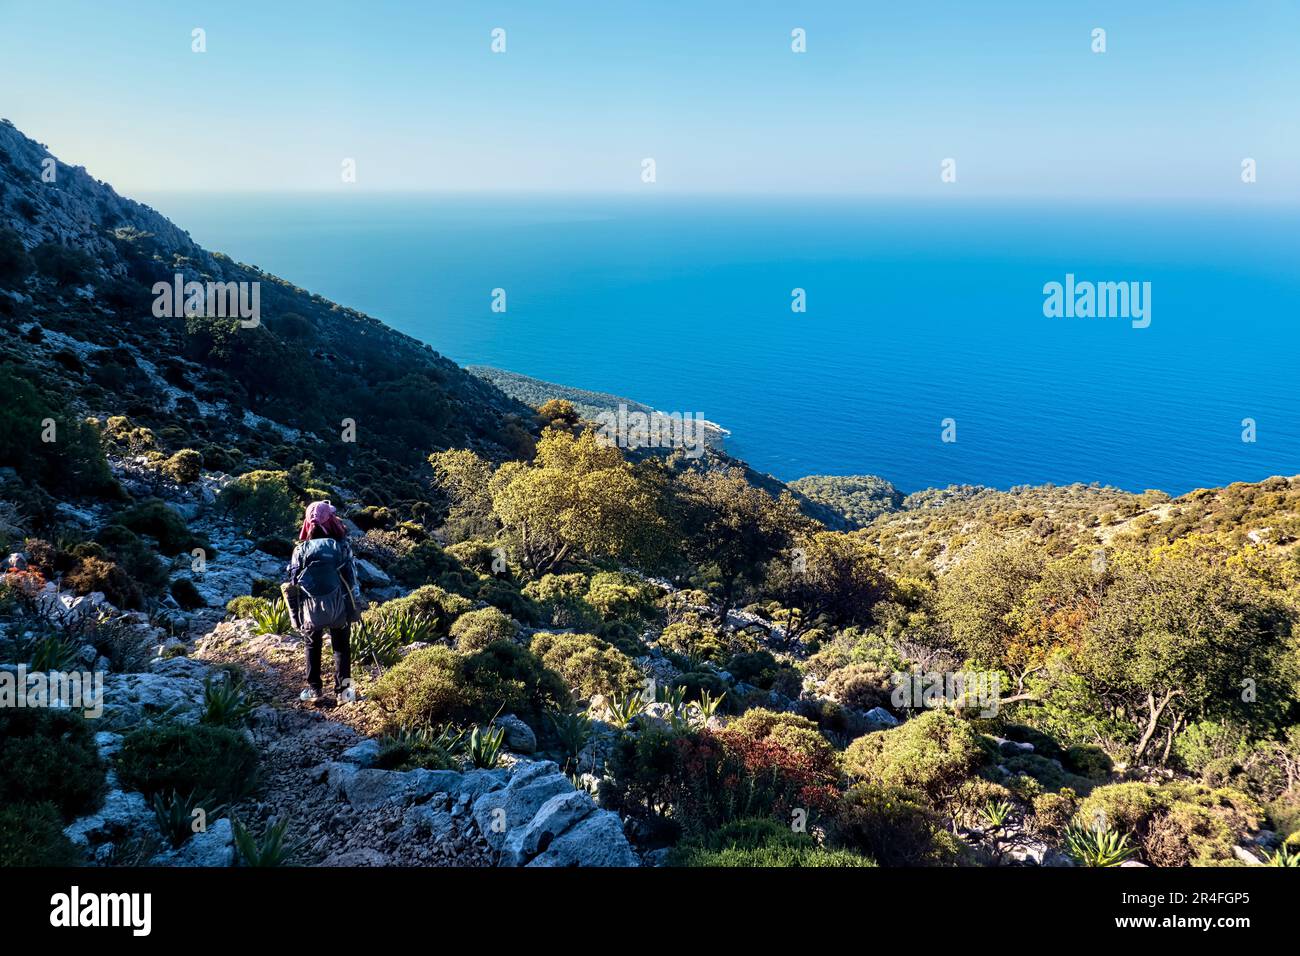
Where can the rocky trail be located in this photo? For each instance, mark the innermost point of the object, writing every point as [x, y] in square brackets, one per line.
[317, 760]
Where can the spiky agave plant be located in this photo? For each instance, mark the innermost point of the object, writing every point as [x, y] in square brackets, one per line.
[572, 729]
[176, 814]
[52, 652]
[995, 814]
[1097, 845]
[625, 707]
[225, 701]
[674, 697]
[270, 849]
[406, 626]
[485, 745]
[271, 617]
[1283, 856]
[373, 642]
[708, 705]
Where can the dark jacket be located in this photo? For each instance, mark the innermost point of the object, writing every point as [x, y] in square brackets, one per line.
[326, 571]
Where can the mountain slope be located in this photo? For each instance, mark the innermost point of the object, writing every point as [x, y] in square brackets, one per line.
[78, 267]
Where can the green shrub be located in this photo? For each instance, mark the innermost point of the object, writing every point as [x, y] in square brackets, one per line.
[31, 834]
[49, 756]
[504, 595]
[761, 843]
[95, 574]
[185, 467]
[1284, 813]
[587, 664]
[426, 688]
[861, 686]
[1053, 812]
[932, 753]
[430, 601]
[187, 595]
[759, 668]
[260, 503]
[1127, 807]
[181, 758]
[245, 606]
[894, 825]
[1203, 742]
[616, 594]
[65, 265]
[1089, 761]
[73, 463]
[134, 556]
[436, 684]
[695, 638]
[562, 602]
[15, 263]
[475, 630]
[511, 679]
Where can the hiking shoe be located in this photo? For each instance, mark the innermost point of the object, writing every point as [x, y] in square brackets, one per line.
[309, 695]
[347, 695]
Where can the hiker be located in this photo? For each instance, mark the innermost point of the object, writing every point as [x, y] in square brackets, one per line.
[323, 596]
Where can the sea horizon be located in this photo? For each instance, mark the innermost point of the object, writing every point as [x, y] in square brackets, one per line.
[630, 295]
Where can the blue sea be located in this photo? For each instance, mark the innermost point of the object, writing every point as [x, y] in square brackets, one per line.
[917, 312]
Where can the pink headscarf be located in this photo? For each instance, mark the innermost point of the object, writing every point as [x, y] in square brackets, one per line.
[321, 514]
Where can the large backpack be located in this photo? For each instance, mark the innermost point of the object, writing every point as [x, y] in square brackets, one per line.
[325, 594]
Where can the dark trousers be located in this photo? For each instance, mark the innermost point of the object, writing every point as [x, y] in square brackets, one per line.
[340, 641]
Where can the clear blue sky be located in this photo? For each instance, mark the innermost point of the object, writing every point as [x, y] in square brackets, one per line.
[710, 90]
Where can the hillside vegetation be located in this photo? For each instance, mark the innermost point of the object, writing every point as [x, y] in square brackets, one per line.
[727, 677]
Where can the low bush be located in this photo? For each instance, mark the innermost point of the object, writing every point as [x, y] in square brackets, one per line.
[475, 630]
[15, 262]
[185, 467]
[1089, 761]
[616, 594]
[49, 756]
[96, 574]
[433, 602]
[932, 753]
[31, 834]
[260, 503]
[561, 599]
[180, 758]
[587, 664]
[187, 595]
[861, 686]
[762, 843]
[895, 826]
[695, 638]
[436, 684]
[163, 523]
[511, 679]
[1054, 811]
[65, 265]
